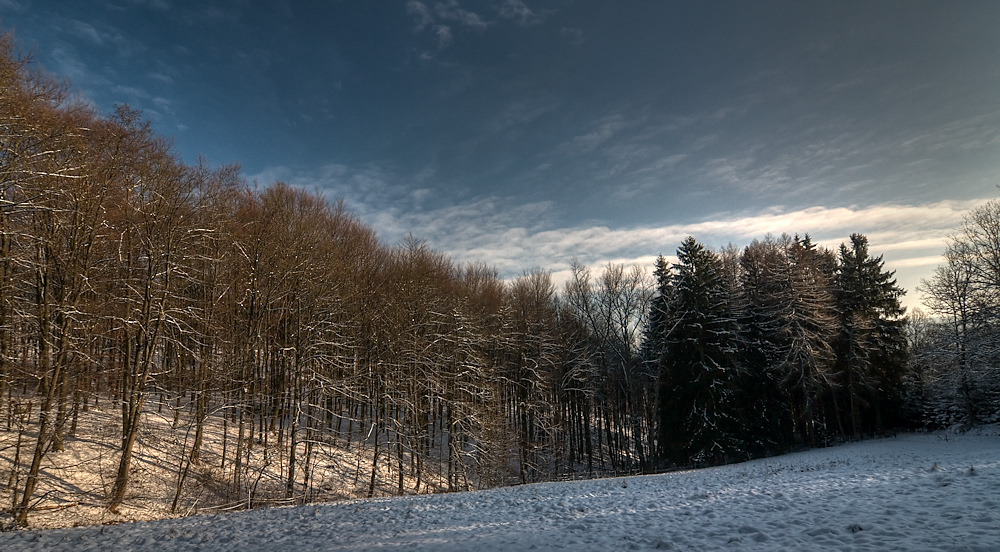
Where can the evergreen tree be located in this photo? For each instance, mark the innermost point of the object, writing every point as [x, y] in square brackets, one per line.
[808, 328]
[697, 364]
[654, 338]
[871, 342]
[765, 410]
[656, 329]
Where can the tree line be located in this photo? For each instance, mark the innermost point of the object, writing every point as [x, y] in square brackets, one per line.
[132, 280]
[781, 343]
[955, 366]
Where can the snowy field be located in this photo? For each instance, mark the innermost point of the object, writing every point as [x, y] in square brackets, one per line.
[913, 492]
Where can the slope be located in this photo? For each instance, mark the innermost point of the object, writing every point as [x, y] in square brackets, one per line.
[914, 492]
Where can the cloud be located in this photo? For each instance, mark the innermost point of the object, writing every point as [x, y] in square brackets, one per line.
[372, 192]
[969, 133]
[450, 11]
[636, 150]
[928, 261]
[69, 65]
[602, 131]
[443, 33]
[441, 17]
[515, 235]
[161, 78]
[12, 5]
[162, 5]
[518, 11]
[518, 237]
[86, 30]
[421, 14]
[575, 36]
[105, 36]
[521, 112]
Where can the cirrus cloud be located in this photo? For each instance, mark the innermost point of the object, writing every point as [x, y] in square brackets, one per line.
[516, 236]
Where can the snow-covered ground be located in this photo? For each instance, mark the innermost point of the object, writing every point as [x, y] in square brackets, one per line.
[913, 492]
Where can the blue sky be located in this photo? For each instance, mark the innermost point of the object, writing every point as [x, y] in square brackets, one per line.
[526, 133]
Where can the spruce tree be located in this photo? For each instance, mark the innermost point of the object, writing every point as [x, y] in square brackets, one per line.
[767, 417]
[871, 343]
[697, 364]
[808, 329]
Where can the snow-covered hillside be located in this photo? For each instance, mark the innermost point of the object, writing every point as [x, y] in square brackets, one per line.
[913, 492]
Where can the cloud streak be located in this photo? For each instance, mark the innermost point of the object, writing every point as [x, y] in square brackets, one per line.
[516, 236]
[482, 230]
[910, 237]
[520, 12]
[440, 17]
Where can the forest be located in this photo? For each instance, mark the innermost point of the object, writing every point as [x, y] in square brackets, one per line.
[133, 282]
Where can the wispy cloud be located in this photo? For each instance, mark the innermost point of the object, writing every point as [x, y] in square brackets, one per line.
[421, 14]
[162, 5]
[520, 12]
[637, 149]
[11, 5]
[69, 65]
[443, 34]
[103, 37]
[161, 78]
[517, 236]
[374, 193]
[523, 110]
[451, 11]
[573, 34]
[963, 134]
[445, 18]
[601, 132]
[441, 17]
[917, 262]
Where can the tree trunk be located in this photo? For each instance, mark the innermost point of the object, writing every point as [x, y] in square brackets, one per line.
[125, 462]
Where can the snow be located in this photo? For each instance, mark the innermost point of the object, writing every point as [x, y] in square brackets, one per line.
[936, 491]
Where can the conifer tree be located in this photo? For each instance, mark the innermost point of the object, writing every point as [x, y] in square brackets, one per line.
[765, 409]
[808, 328]
[697, 365]
[871, 343]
